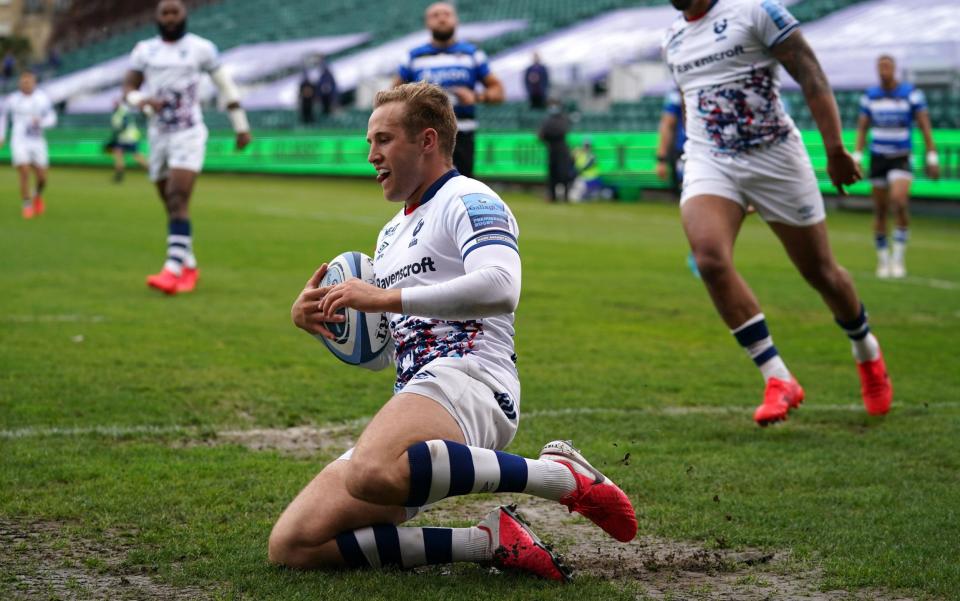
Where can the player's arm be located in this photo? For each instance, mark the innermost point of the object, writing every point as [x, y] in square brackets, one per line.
[492, 90]
[863, 124]
[932, 160]
[666, 132]
[4, 123]
[49, 117]
[801, 63]
[231, 96]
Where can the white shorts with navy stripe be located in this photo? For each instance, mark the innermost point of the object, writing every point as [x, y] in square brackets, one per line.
[485, 412]
[778, 181]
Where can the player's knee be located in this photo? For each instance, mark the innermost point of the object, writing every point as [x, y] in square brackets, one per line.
[370, 480]
[285, 548]
[712, 263]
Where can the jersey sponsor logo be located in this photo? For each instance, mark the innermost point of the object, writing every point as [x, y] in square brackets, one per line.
[448, 76]
[709, 59]
[422, 266]
[423, 374]
[390, 231]
[485, 211]
[383, 247]
[719, 27]
[778, 14]
[417, 229]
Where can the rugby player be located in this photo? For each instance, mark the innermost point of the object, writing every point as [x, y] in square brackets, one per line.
[171, 65]
[31, 112]
[457, 67]
[448, 277]
[890, 109]
[742, 151]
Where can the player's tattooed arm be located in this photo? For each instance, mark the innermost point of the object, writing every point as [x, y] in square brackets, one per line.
[795, 54]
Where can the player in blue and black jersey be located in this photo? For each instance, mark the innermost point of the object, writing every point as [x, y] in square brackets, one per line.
[457, 67]
[891, 109]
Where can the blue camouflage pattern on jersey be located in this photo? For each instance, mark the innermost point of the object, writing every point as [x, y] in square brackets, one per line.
[740, 118]
[419, 341]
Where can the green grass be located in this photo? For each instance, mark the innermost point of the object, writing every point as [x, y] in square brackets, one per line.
[611, 321]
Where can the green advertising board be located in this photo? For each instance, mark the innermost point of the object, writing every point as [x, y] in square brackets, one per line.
[625, 159]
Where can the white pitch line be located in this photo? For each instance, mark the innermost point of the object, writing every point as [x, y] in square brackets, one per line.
[55, 318]
[118, 431]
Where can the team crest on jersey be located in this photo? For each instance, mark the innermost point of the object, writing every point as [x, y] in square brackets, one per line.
[718, 28]
[485, 211]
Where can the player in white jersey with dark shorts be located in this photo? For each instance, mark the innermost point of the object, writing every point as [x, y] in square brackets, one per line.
[171, 67]
[448, 276]
[31, 112]
[743, 151]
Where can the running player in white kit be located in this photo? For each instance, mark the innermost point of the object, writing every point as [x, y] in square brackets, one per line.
[31, 112]
[742, 151]
[171, 67]
[448, 277]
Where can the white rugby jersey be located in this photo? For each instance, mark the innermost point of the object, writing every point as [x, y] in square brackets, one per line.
[456, 217]
[729, 78]
[31, 114]
[172, 73]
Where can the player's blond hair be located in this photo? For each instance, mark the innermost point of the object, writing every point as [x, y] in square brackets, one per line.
[427, 106]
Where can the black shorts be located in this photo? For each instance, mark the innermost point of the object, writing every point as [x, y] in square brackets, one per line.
[463, 153]
[885, 169]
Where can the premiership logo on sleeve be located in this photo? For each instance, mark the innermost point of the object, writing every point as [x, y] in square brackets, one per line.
[486, 212]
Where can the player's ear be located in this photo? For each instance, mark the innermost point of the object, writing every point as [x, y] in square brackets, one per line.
[431, 140]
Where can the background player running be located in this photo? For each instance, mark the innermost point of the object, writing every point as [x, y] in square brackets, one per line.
[890, 109]
[171, 66]
[448, 271]
[742, 150]
[31, 112]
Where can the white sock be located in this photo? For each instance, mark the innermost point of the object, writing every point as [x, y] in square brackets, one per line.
[775, 368]
[865, 349]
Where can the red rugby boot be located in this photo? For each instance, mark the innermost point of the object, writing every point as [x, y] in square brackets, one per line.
[596, 498]
[516, 547]
[779, 398]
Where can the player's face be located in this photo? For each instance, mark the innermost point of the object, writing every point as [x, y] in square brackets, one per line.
[28, 83]
[171, 18]
[887, 70]
[441, 20]
[396, 157]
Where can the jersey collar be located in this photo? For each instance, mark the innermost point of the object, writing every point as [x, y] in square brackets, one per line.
[432, 191]
[701, 15]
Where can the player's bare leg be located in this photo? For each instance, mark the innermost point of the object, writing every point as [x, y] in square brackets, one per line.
[378, 469]
[900, 199]
[881, 207]
[179, 273]
[23, 177]
[385, 473]
[119, 164]
[40, 179]
[711, 224]
[809, 249]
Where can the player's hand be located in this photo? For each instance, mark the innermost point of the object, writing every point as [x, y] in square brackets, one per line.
[662, 172]
[933, 171]
[465, 95]
[359, 295]
[306, 312]
[243, 139]
[842, 169]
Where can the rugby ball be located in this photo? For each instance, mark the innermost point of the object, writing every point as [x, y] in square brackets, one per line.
[362, 337]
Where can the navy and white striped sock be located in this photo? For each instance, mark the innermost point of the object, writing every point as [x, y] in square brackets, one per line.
[441, 469]
[754, 337]
[881, 242]
[900, 237]
[179, 245]
[385, 545]
[865, 345]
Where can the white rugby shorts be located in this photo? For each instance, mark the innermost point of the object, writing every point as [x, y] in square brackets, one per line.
[487, 415]
[177, 150]
[778, 181]
[30, 152]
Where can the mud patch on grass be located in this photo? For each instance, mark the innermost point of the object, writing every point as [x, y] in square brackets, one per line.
[299, 441]
[656, 568]
[39, 561]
